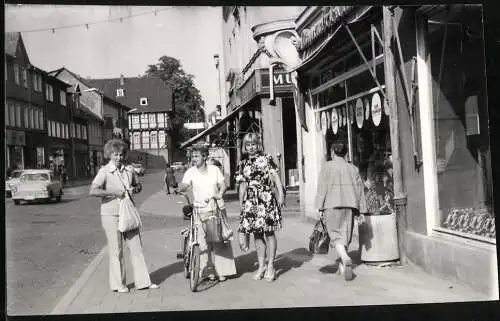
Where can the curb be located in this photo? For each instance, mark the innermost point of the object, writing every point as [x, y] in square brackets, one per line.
[77, 287]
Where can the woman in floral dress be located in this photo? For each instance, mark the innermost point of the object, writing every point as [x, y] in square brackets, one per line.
[261, 199]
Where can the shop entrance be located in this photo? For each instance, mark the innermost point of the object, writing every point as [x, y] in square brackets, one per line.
[290, 142]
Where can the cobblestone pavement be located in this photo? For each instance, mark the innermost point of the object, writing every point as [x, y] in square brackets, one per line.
[303, 280]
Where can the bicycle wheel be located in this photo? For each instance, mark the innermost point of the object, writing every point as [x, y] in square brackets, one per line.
[194, 276]
[186, 257]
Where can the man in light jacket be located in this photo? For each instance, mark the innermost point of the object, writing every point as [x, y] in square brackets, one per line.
[340, 194]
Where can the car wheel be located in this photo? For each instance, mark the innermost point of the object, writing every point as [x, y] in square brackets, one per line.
[17, 202]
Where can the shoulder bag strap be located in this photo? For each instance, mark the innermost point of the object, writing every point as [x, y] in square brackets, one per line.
[125, 187]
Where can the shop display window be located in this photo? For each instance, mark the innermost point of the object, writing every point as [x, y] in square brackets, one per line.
[363, 122]
[462, 147]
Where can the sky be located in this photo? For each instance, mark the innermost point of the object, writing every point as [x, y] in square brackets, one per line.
[110, 49]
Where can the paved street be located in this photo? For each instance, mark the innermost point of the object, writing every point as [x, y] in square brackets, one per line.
[48, 246]
[303, 280]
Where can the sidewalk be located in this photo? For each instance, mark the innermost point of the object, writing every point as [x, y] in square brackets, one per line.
[303, 280]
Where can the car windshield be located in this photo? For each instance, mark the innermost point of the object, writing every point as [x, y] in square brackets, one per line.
[16, 174]
[35, 177]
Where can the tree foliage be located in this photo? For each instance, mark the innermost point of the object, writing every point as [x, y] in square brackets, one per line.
[188, 103]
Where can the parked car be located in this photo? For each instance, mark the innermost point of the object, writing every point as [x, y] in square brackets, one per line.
[11, 181]
[139, 168]
[36, 185]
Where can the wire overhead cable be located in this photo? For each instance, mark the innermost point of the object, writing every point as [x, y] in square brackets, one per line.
[88, 24]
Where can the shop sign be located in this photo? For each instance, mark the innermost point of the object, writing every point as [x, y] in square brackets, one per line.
[330, 17]
[324, 122]
[15, 138]
[335, 121]
[359, 113]
[376, 109]
[279, 79]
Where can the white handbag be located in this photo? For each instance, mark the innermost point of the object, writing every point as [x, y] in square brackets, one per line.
[128, 215]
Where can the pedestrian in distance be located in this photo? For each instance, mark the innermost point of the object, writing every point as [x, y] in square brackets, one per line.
[339, 197]
[110, 184]
[169, 178]
[208, 187]
[261, 198]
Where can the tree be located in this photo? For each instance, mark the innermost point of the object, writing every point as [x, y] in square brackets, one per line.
[188, 103]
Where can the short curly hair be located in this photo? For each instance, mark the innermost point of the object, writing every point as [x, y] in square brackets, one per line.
[115, 145]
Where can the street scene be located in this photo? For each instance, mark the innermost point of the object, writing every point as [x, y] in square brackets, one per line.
[265, 157]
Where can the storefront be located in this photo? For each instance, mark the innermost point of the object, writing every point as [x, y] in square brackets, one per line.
[15, 142]
[405, 87]
[59, 155]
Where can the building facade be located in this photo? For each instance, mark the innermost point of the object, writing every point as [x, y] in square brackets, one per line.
[25, 111]
[106, 117]
[147, 122]
[413, 113]
[254, 103]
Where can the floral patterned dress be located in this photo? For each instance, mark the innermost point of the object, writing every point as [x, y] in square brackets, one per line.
[260, 212]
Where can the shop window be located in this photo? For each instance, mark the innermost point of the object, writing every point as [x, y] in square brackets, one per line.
[40, 157]
[462, 144]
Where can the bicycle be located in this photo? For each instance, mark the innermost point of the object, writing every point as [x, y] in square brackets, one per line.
[190, 246]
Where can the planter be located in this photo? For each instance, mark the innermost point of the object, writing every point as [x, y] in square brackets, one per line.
[378, 238]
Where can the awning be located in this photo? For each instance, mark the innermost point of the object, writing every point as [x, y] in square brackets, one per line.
[210, 130]
[356, 17]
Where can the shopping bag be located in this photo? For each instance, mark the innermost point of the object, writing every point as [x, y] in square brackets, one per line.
[213, 229]
[319, 241]
[244, 240]
[129, 218]
[227, 232]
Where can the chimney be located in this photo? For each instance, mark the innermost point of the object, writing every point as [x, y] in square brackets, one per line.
[122, 81]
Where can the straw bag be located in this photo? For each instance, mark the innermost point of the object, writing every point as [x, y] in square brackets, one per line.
[212, 226]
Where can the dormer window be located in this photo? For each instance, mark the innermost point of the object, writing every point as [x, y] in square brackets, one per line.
[143, 101]
[120, 92]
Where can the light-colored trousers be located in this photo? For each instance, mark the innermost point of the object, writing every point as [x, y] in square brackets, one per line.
[117, 276]
[339, 222]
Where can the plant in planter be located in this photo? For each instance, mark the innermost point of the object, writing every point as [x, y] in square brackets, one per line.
[378, 235]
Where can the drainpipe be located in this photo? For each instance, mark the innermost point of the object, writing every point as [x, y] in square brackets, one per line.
[271, 84]
[400, 198]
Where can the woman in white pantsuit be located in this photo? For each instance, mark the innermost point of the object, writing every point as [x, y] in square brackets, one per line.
[110, 184]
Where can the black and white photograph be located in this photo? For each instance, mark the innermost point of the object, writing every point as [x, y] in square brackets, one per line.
[202, 158]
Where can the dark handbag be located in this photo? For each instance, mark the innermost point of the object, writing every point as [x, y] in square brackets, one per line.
[319, 241]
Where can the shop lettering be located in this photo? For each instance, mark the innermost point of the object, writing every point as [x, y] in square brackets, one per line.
[330, 17]
[282, 79]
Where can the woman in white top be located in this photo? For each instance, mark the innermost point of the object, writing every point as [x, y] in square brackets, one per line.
[111, 184]
[207, 183]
